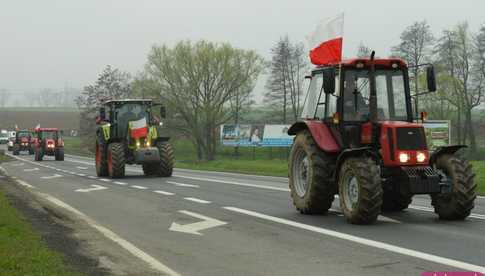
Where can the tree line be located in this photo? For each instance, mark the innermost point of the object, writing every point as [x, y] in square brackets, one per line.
[205, 84]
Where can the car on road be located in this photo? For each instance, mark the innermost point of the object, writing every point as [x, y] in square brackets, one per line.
[3, 137]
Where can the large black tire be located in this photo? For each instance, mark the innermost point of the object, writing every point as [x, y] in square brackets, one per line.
[59, 154]
[312, 187]
[360, 190]
[116, 160]
[395, 201]
[458, 203]
[167, 160]
[31, 150]
[16, 149]
[101, 162]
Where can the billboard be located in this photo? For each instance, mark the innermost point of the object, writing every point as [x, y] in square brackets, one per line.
[438, 133]
[256, 136]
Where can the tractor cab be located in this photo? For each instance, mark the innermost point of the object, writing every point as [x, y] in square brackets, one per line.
[22, 142]
[129, 132]
[358, 137]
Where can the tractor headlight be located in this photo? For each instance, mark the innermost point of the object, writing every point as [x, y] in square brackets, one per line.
[403, 157]
[147, 144]
[420, 157]
[138, 144]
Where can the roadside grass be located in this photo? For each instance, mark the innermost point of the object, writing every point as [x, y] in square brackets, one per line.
[260, 161]
[22, 251]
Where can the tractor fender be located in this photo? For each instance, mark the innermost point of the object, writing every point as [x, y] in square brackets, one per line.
[445, 150]
[320, 133]
[162, 139]
[351, 153]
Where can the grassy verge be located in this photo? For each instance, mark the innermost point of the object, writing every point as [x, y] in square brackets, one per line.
[479, 168]
[22, 251]
[72, 145]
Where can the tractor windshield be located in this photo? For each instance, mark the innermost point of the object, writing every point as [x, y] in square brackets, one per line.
[49, 135]
[131, 112]
[391, 97]
[23, 134]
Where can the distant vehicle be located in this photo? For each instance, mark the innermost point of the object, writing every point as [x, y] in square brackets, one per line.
[10, 143]
[3, 136]
[11, 134]
[48, 141]
[23, 142]
[129, 133]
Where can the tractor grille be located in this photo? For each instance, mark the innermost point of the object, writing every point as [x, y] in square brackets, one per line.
[411, 138]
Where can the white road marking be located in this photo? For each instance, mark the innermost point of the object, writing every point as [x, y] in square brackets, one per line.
[105, 179]
[154, 263]
[138, 187]
[428, 209]
[82, 168]
[92, 177]
[183, 184]
[194, 228]
[23, 183]
[51, 176]
[80, 174]
[197, 200]
[18, 164]
[163, 192]
[364, 241]
[119, 183]
[236, 183]
[94, 188]
[3, 170]
[31, 170]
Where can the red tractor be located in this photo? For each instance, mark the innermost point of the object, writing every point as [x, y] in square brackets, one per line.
[48, 141]
[22, 142]
[358, 137]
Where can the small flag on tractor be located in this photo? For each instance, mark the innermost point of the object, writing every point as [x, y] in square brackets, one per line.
[138, 129]
[326, 41]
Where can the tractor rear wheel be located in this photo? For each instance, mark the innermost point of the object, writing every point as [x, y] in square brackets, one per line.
[458, 203]
[167, 160]
[360, 190]
[394, 201]
[310, 176]
[116, 160]
[101, 162]
[59, 154]
[16, 149]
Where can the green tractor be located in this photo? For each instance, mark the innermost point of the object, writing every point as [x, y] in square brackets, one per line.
[129, 133]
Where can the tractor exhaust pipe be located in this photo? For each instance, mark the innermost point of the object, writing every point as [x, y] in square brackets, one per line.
[373, 92]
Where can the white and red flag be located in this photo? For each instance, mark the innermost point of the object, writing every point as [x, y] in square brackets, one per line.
[139, 128]
[326, 41]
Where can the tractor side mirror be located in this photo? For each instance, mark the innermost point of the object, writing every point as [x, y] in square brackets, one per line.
[163, 112]
[329, 80]
[431, 78]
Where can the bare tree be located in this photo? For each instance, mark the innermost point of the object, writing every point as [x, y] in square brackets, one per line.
[363, 51]
[415, 48]
[285, 83]
[199, 80]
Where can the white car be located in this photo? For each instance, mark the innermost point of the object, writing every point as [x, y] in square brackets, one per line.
[3, 137]
[10, 144]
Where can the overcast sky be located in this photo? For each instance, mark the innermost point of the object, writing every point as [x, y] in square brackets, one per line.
[53, 43]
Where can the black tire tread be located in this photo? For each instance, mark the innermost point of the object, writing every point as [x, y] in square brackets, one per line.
[117, 160]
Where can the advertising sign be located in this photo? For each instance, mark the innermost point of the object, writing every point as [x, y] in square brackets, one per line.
[256, 136]
[438, 133]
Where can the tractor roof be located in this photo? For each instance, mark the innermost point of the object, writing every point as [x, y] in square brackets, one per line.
[129, 101]
[385, 62]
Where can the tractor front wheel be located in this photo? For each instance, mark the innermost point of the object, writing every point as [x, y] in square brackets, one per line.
[167, 159]
[101, 162]
[360, 190]
[16, 149]
[59, 154]
[116, 160]
[459, 201]
[310, 176]
[31, 150]
[39, 154]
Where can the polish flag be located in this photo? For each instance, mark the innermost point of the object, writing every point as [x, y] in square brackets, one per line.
[139, 128]
[326, 41]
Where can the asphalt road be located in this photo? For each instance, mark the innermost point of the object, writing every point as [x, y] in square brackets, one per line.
[207, 223]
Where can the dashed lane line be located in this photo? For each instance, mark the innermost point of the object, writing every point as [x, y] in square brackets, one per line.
[139, 187]
[119, 183]
[31, 170]
[163, 192]
[197, 200]
[183, 184]
[235, 183]
[363, 241]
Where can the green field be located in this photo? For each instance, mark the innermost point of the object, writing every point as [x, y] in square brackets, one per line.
[479, 168]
